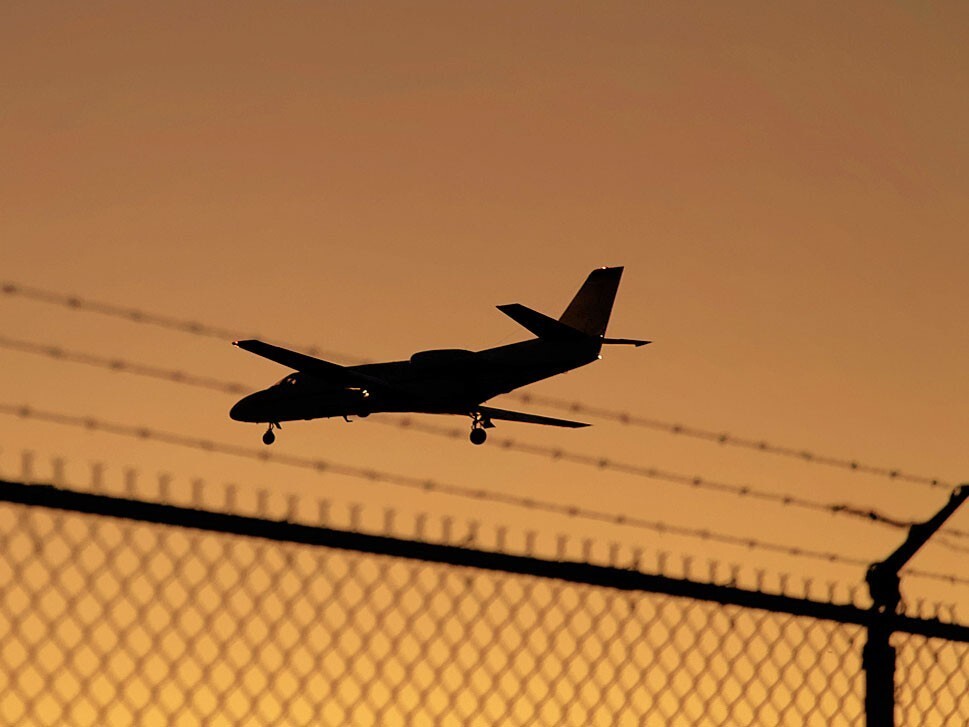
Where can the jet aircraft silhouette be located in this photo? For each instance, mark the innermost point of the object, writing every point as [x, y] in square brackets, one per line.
[442, 381]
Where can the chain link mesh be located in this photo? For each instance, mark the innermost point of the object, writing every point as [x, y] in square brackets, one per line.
[110, 622]
[931, 681]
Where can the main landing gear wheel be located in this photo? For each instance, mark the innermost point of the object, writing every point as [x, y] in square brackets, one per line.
[268, 437]
[478, 425]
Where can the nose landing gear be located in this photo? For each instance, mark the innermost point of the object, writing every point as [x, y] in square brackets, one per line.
[478, 425]
[268, 437]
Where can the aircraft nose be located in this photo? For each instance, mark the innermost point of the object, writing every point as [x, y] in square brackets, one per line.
[245, 410]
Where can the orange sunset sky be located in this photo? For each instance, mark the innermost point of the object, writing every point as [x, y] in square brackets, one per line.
[785, 184]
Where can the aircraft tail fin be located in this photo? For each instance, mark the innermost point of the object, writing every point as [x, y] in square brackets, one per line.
[590, 308]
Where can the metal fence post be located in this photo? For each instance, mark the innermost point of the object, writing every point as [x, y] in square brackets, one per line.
[878, 656]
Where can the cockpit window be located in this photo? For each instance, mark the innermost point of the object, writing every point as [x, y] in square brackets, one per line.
[287, 381]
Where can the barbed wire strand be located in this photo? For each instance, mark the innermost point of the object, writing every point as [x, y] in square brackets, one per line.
[117, 365]
[948, 543]
[726, 439]
[621, 417]
[136, 315]
[655, 473]
[430, 485]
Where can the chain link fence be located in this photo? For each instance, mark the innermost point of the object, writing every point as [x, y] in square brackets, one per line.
[932, 682]
[106, 621]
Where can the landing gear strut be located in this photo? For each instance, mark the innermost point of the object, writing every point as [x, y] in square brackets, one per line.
[478, 425]
[268, 438]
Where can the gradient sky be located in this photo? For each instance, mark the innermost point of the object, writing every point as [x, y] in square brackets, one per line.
[785, 184]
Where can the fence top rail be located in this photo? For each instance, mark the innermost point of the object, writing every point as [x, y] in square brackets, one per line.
[48, 496]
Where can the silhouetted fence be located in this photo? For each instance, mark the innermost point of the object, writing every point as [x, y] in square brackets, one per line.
[117, 611]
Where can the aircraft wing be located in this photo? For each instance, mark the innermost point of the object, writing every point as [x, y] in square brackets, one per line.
[315, 367]
[517, 416]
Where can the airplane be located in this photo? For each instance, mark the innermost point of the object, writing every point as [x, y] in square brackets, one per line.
[442, 381]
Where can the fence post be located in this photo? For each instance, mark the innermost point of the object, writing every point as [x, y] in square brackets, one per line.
[878, 655]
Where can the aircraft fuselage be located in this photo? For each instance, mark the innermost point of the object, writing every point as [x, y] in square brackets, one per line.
[448, 381]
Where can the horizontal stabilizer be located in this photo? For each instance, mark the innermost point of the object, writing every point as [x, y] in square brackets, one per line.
[315, 367]
[541, 325]
[625, 341]
[517, 416]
